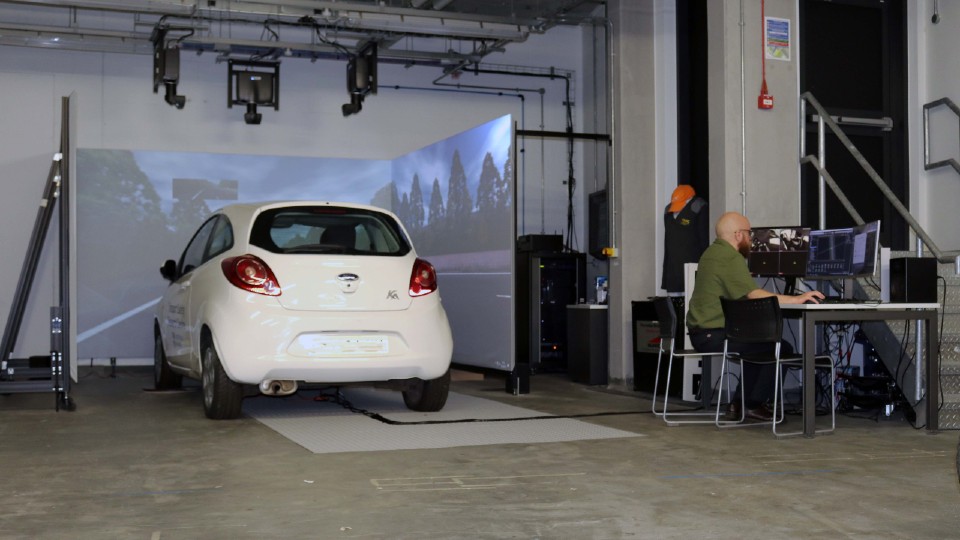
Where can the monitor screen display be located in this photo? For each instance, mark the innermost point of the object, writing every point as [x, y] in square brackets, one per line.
[779, 251]
[848, 252]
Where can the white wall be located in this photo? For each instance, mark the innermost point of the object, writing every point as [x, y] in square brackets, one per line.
[117, 109]
[935, 73]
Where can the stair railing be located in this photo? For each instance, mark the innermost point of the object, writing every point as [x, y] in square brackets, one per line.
[825, 120]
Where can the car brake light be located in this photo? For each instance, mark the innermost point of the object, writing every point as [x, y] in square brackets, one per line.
[250, 273]
[423, 280]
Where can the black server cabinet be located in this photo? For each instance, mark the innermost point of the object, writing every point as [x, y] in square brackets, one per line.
[546, 284]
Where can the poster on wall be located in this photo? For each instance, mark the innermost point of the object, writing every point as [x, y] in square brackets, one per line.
[776, 38]
[135, 209]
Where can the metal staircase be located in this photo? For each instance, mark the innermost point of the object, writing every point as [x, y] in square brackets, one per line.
[901, 356]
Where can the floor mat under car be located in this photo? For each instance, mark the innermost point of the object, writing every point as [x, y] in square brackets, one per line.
[325, 426]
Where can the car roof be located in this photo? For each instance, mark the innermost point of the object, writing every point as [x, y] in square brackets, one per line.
[251, 209]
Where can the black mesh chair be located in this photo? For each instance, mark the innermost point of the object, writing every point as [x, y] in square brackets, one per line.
[759, 321]
[667, 320]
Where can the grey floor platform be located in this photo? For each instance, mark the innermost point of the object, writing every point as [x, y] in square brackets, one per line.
[324, 427]
[143, 465]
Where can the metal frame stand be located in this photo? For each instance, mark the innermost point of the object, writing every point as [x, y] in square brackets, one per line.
[44, 373]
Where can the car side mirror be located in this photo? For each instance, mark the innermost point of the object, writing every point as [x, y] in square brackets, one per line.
[169, 270]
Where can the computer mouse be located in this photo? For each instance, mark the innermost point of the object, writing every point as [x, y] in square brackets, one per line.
[811, 302]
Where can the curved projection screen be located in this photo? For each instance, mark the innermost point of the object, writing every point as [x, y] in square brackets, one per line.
[134, 209]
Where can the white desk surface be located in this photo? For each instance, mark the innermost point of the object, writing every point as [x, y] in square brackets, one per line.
[860, 306]
[587, 306]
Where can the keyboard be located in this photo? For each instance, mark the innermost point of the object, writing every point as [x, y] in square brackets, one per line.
[838, 300]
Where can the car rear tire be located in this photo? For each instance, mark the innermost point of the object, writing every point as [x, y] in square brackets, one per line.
[222, 397]
[163, 377]
[428, 396]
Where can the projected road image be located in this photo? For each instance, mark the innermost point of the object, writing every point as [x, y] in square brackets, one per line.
[137, 208]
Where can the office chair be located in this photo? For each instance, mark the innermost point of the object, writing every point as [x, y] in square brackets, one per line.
[760, 321]
[667, 319]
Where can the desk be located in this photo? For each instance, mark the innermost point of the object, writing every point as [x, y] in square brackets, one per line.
[811, 314]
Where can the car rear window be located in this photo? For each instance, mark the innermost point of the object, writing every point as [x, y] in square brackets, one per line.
[328, 229]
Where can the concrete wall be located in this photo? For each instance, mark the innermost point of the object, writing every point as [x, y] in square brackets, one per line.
[636, 199]
[753, 152]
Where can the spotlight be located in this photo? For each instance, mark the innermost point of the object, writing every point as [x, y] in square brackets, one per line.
[252, 117]
[166, 71]
[253, 84]
[355, 105]
[361, 77]
[171, 96]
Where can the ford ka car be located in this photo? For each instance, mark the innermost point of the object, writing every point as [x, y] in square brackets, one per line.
[278, 295]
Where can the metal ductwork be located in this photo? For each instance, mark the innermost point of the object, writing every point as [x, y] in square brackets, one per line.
[443, 32]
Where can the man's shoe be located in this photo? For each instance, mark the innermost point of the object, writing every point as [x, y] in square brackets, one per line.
[762, 413]
[733, 411]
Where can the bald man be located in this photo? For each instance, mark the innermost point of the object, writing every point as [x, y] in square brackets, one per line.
[722, 273]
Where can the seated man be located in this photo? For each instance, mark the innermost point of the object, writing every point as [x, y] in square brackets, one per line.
[722, 273]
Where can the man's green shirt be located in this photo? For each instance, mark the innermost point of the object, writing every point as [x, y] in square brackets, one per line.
[721, 273]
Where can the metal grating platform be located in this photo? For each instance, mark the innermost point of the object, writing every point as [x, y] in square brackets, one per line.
[326, 427]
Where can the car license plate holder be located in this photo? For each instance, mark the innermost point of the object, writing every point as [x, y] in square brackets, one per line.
[345, 345]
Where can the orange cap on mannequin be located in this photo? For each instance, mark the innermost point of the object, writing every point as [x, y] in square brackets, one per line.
[681, 195]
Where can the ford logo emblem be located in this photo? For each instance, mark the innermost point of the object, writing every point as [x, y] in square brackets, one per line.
[348, 277]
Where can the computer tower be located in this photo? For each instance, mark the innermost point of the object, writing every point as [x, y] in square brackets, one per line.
[646, 344]
[913, 280]
[546, 284]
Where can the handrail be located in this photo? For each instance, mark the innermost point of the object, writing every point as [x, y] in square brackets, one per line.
[927, 165]
[952, 257]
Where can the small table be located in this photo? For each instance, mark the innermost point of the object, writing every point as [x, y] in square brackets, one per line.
[811, 314]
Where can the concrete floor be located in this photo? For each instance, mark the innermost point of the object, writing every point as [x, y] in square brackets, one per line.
[134, 464]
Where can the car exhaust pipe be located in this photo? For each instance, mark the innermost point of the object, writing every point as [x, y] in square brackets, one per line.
[278, 388]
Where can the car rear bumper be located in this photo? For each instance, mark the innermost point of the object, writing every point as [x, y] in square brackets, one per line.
[273, 343]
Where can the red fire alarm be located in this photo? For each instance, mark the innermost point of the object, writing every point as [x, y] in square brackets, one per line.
[765, 101]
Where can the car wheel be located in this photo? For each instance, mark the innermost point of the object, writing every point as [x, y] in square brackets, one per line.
[428, 396]
[221, 396]
[163, 377]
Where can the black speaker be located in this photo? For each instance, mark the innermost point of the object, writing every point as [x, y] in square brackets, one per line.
[913, 280]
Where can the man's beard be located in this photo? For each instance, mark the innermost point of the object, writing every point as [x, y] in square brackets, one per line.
[744, 248]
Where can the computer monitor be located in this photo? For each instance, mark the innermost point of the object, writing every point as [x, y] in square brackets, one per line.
[847, 252]
[779, 251]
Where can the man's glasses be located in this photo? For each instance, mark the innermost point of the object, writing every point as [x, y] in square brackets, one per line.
[748, 232]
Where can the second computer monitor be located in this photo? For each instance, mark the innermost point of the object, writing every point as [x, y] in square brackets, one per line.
[779, 251]
[847, 252]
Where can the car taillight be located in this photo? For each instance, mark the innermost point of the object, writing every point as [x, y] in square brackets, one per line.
[250, 273]
[423, 280]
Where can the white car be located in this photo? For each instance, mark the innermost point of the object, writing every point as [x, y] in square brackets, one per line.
[279, 294]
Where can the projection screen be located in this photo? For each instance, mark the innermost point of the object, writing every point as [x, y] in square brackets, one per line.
[137, 208]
